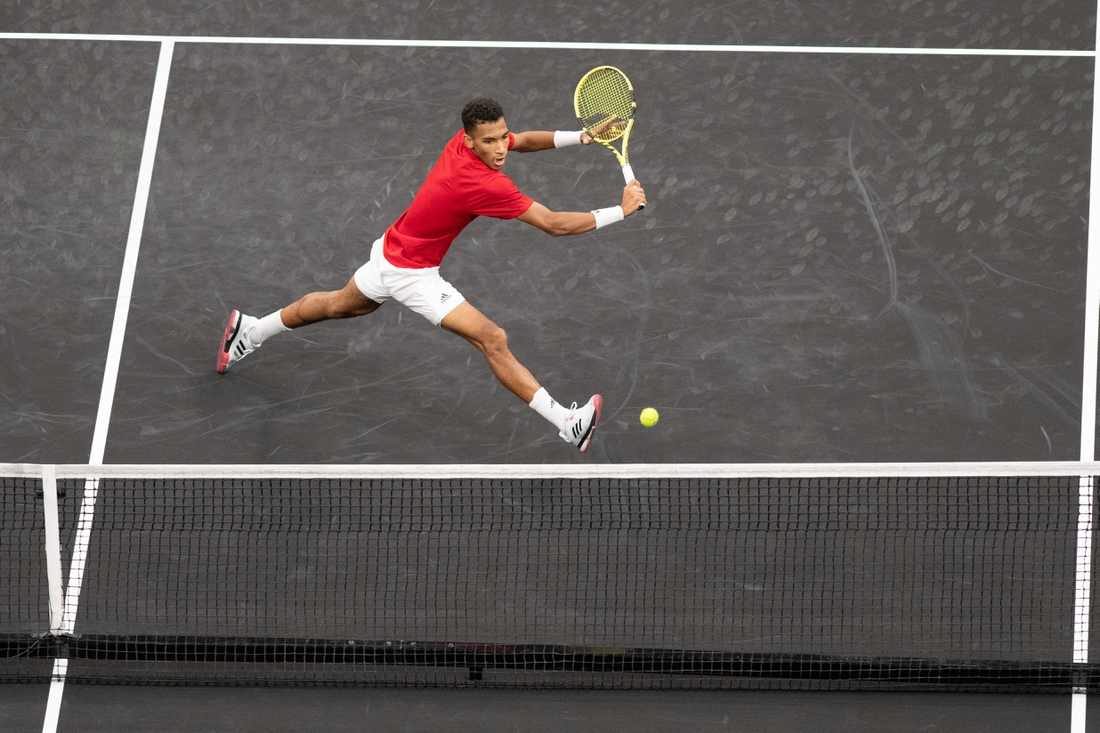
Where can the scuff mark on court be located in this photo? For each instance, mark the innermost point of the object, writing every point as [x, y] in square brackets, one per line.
[939, 352]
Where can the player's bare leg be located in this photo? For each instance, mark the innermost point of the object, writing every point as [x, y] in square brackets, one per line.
[322, 306]
[491, 340]
[575, 425]
[244, 334]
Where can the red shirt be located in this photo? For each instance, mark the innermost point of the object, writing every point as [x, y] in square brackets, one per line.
[458, 189]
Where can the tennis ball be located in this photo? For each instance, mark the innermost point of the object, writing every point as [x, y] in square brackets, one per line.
[649, 417]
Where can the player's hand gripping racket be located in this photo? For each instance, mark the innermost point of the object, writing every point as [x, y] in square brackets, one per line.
[604, 102]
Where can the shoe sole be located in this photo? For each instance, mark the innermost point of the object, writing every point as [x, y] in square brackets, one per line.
[597, 402]
[231, 330]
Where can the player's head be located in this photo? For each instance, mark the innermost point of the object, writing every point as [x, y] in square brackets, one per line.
[479, 111]
[486, 131]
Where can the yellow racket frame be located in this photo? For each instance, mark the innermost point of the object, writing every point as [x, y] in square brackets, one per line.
[598, 109]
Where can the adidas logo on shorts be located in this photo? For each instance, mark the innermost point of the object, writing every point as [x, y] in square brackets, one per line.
[444, 298]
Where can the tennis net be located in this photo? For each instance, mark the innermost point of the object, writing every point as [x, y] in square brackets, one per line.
[910, 576]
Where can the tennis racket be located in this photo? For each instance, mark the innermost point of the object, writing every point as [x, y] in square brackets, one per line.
[604, 103]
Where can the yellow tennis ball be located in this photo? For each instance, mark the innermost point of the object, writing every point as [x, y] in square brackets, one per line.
[649, 417]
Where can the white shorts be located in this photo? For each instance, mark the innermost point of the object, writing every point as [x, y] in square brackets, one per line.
[421, 290]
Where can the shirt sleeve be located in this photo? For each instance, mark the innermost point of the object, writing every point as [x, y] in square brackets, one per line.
[501, 199]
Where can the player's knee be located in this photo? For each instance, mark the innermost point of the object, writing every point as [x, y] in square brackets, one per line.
[494, 339]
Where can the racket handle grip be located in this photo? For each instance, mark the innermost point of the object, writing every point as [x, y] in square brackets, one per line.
[628, 176]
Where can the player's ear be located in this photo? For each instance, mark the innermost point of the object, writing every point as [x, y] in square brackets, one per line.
[468, 140]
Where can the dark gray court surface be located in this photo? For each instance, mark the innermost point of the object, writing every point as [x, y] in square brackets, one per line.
[755, 303]
[1051, 24]
[73, 120]
[93, 709]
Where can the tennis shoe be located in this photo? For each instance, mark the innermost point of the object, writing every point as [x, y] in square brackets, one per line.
[582, 422]
[235, 342]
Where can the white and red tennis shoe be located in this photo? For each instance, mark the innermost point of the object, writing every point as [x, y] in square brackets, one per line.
[235, 344]
[582, 422]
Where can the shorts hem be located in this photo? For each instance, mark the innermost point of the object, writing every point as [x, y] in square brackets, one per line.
[445, 311]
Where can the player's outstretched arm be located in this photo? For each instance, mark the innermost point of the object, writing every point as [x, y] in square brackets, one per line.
[558, 223]
[563, 223]
[536, 140]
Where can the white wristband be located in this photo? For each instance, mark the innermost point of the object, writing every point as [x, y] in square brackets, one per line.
[608, 216]
[565, 138]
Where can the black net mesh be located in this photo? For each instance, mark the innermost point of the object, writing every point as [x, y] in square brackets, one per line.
[24, 615]
[822, 583]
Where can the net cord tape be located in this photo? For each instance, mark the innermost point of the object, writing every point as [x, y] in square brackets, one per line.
[550, 471]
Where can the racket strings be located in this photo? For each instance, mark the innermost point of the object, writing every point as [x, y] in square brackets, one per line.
[605, 95]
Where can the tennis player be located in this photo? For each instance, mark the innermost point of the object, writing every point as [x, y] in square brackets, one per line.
[466, 182]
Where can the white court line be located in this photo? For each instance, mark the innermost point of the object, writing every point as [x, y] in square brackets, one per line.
[129, 262]
[1082, 596]
[118, 329]
[57, 689]
[1092, 283]
[80, 555]
[548, 45]
[110, 377]
[1077, 716]
[118, 332]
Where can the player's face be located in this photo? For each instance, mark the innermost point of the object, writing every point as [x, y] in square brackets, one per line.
[489, 142]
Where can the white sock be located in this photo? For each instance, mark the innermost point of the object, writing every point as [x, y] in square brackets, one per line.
[546, 406]
[267, 327]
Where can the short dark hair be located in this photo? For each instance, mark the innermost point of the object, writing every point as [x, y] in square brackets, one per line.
[479, 111]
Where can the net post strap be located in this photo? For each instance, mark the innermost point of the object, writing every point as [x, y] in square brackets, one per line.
[1083, 579]
[53, 547]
